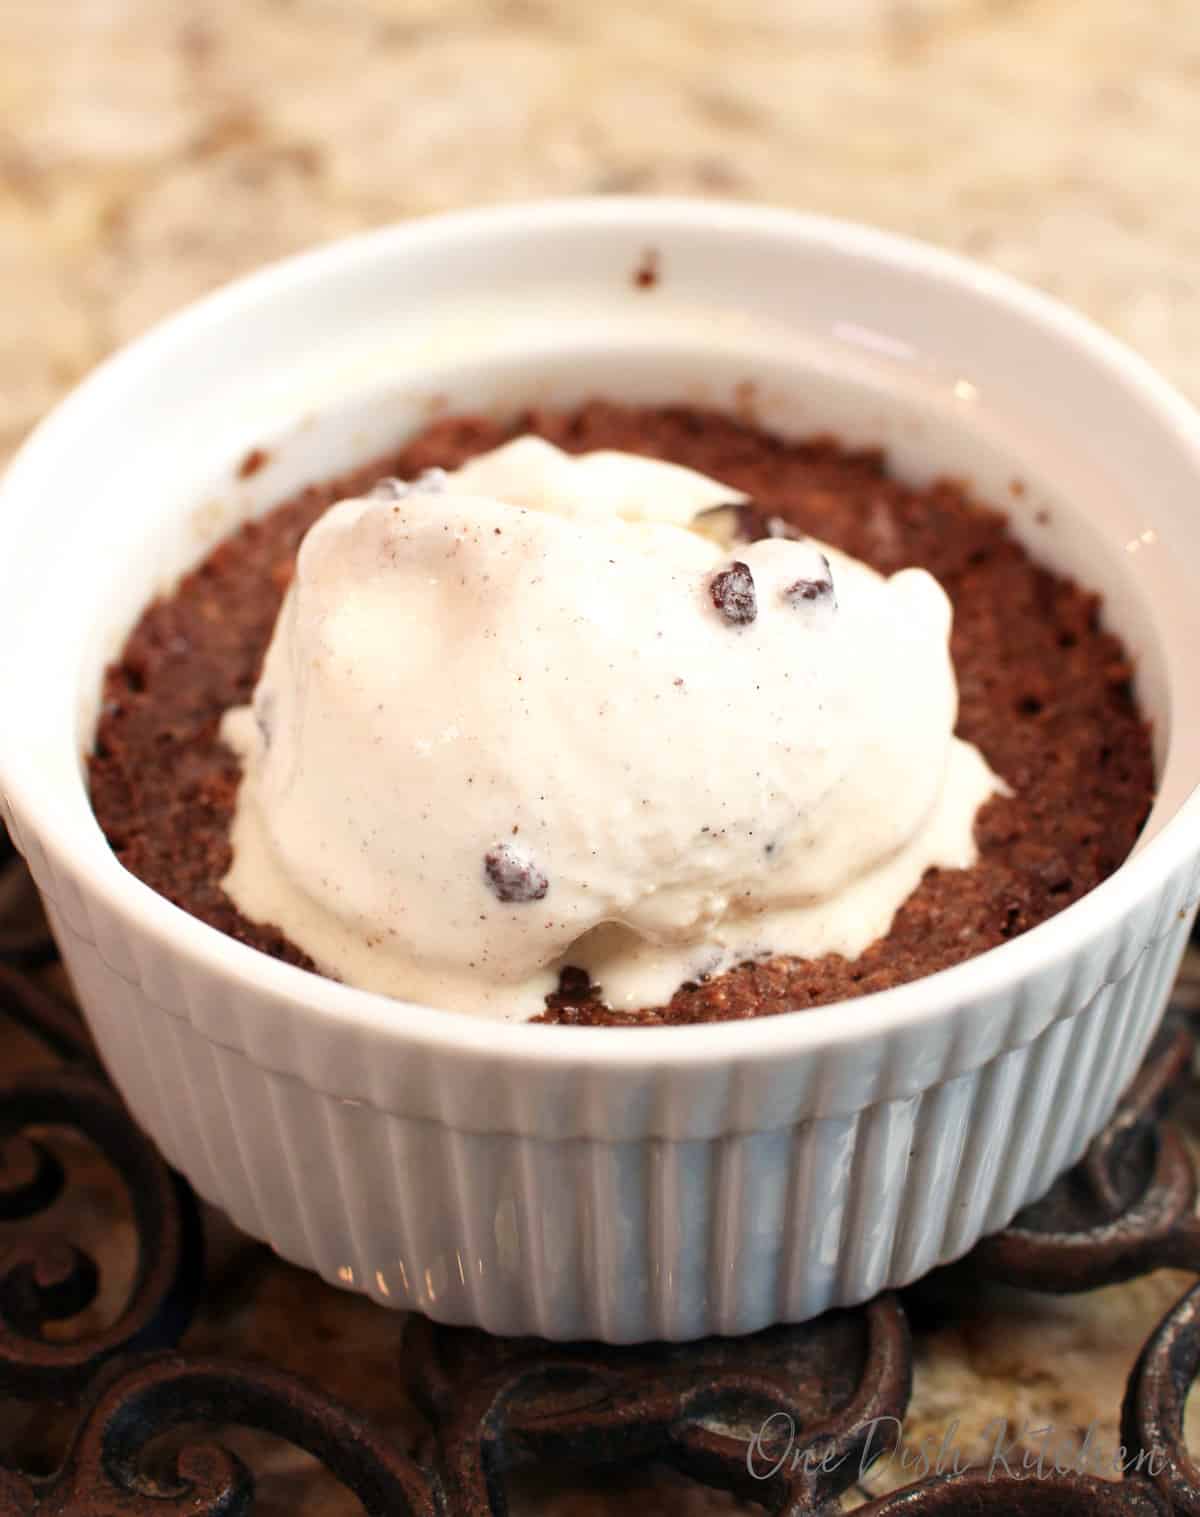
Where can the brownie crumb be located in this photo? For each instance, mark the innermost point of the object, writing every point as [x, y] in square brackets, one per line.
[256, 459]
[647, 273]
[1044, 691]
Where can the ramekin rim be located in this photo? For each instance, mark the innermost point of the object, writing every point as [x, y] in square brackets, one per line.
[947, 992]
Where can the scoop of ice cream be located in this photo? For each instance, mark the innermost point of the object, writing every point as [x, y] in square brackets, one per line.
[549, 710]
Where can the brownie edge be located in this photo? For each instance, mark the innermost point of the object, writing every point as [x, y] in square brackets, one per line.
[1044, 691]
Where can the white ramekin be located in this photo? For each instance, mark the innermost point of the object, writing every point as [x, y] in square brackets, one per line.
[607, 1183]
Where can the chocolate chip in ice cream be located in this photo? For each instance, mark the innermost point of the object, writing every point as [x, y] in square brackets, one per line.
[575, 983]
[733, 594]
[819, 588]
[512, 874]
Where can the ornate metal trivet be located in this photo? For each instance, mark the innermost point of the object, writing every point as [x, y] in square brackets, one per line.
[152, 1429]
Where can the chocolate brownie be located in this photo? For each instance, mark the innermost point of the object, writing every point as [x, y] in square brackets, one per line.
[1044, 692]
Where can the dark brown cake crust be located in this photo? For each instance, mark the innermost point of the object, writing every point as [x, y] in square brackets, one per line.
[1043, 691]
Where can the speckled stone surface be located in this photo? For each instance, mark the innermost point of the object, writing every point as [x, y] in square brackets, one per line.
[151, 149]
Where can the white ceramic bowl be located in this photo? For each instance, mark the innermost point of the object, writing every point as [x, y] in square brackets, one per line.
[607, 1183]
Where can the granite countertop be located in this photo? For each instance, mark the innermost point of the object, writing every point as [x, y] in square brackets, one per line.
[151, 150]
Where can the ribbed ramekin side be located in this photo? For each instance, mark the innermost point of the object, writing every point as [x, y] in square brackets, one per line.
[615, 1238]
